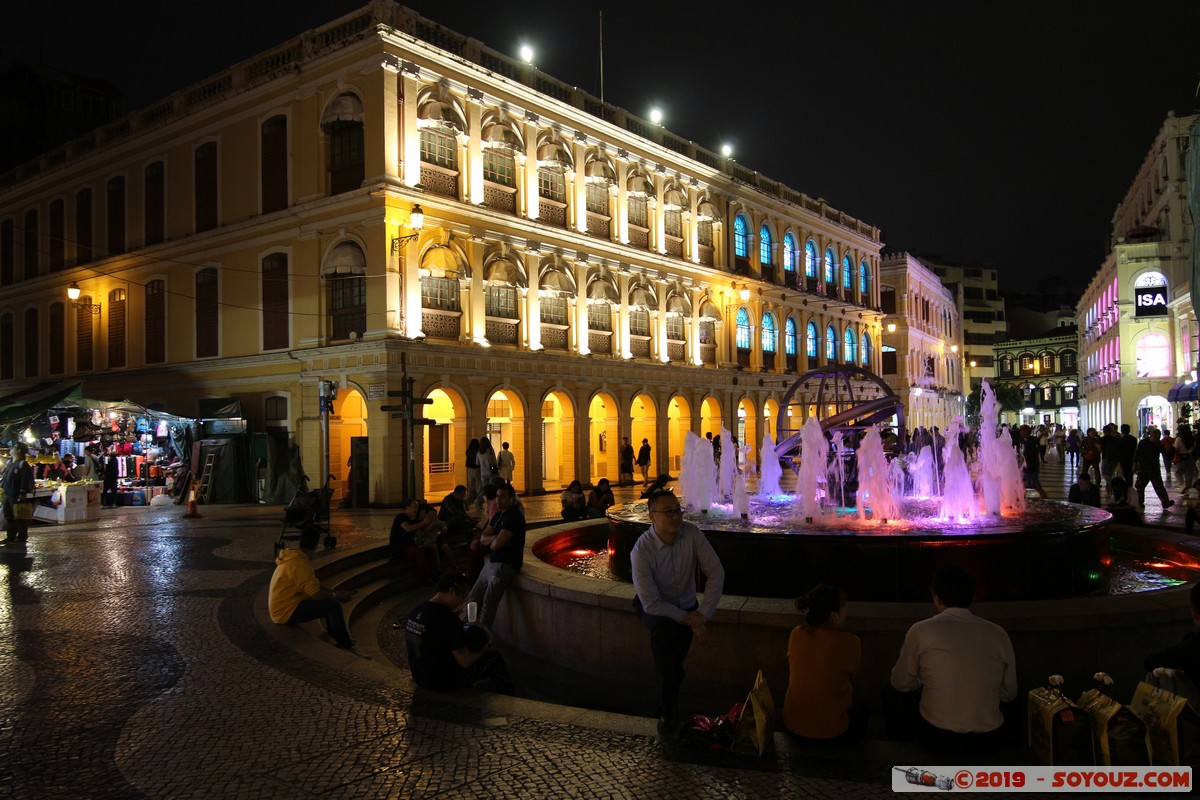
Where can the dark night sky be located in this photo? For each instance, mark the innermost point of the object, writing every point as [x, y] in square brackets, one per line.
[1002, 133]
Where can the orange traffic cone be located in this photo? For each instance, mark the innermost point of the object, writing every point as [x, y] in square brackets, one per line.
[192, 512]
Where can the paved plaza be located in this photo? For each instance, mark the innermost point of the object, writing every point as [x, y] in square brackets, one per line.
[133, 664]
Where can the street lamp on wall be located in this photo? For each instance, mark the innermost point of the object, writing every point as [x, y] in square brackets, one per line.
[73, 292]
[416, 221]
[891, 328]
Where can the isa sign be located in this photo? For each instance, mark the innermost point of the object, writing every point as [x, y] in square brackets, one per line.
[1150, 301]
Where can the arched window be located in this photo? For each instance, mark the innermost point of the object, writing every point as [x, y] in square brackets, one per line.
[155, 324]
[1067, 359]
[831, 344]
[116, 328]
[810, 343]
[847, 274]
[1153, 356]
[1006, 365]
[768, 333]
[275, 300]
[207, 311]
[764, 245]
[273, 165]
[789, 253]
[741, 237]
[345, 275]
[810, 260]
[57, 339]
[864, 281]
[789, 337]
[830, 268]
[205, 175]
[33, 338]
[851, 346]
[343, 126]
[8, 358]
[866, 349]
[743, 329]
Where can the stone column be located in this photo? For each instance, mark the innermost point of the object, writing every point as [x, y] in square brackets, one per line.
[530, 189]
[620, 229]
[533, 316]
[577, 188]
[410, 139]
[476, 295]
[621, 331]
[411, 301]
[390, 115]
[474, 163]
[582, 346]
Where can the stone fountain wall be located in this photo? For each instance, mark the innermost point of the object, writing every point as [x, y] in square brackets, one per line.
[588, 626]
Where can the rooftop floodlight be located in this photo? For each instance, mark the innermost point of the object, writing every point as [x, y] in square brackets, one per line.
[726, 150]
[526, 54]
[656, 116]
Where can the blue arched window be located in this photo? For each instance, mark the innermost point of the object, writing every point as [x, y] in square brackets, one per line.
[789, 337]
[851, 346]
[847, 274]
[830, 268]
[810, 260]
[741, 237]
[866, 349]
[768, 333]
[789, 253]
[743, 329]
[764, 246]
[831, 344]
[810, 345]
[864, 281]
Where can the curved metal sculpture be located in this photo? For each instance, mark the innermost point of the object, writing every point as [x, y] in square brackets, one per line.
[834, 386]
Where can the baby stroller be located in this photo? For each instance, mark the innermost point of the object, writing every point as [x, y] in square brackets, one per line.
[308, 509]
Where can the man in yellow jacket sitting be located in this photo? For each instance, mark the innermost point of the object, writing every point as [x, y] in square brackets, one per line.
[297, 596]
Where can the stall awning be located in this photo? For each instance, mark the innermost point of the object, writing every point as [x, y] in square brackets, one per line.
[1183, 392]
[26, 402]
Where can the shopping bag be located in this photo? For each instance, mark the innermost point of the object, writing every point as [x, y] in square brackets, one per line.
[753, 726]
[1060, 732]
[1121, 737]
[1174, 726]
[23, 510]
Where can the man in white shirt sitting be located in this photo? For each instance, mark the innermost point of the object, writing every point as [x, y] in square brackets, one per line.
[954, 673]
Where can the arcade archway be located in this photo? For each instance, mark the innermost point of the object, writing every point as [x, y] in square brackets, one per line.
[603, 434]
[506, 423]
[643, 419]
[679, 423]
[445, 443]
[347, 421]
[558, 441]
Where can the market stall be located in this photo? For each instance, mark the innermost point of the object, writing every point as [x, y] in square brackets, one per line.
[88, 453]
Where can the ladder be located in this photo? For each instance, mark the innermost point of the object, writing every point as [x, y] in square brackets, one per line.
[204, 490]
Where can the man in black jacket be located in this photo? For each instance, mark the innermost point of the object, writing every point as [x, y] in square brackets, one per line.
[1148, 457]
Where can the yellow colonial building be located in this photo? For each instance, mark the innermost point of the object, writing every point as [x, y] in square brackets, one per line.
[381, 199]
[922, 359]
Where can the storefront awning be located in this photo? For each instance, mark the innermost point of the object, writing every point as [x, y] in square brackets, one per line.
[1183, 392]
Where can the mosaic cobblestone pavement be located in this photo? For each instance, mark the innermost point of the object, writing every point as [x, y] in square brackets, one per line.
[131, 666]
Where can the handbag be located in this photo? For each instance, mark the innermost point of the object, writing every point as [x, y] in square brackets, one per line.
[23, 511]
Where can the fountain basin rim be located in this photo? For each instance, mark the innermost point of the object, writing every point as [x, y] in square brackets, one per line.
[1069, 613]
[1085, 519]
